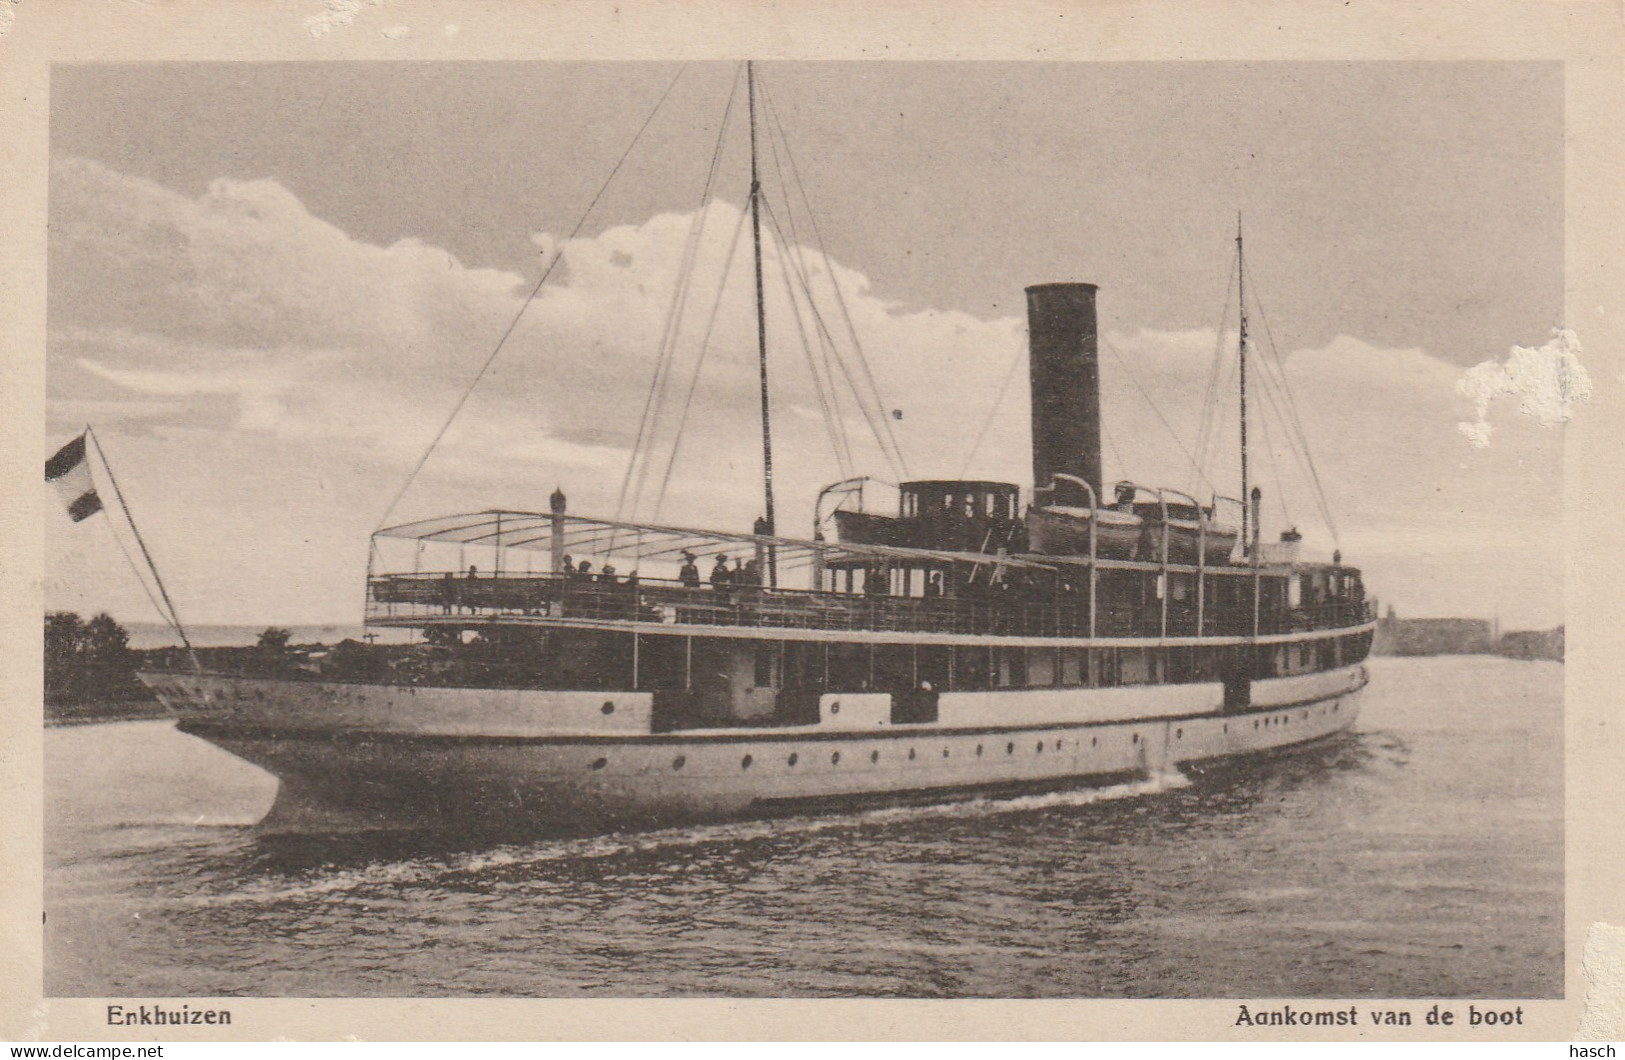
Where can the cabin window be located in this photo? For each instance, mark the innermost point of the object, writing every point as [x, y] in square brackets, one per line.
[931, 666]
[1072, 666]
[970, 505]
[1012, 667]
[1103, 661]
[894, 667]
[1040, 667]
[970, 668]
[1135, 666]
[764, 664]
[848, 667]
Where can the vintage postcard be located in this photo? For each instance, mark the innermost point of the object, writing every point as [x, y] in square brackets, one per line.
[1096, 514]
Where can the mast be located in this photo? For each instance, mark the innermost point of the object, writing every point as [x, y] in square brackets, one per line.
[1241, 298]
[761, 321]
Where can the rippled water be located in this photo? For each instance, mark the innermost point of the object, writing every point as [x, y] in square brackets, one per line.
[1420, 855]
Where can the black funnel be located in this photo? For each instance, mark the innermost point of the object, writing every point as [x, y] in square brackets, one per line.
[1064, 366]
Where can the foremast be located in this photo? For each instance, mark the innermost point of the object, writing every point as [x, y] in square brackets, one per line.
[767, 526]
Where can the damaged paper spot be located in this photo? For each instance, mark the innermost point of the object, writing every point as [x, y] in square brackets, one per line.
[336, 13]
[1603, 968]
[7, 16]
[1548, 382]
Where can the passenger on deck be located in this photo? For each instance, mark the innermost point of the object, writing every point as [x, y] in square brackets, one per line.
[1125, 497]
[721, 576]
[473, 603]
[448, 593]
[690, 574]
[933, 583]
[568, 565]
[750, 573]
[607, 575]
[585, 570]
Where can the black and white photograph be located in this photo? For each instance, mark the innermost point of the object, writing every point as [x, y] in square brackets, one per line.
[745, 526]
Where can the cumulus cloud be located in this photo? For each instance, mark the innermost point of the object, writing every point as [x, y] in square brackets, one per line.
[275, 380]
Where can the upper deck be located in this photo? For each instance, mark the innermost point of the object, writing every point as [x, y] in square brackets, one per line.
[862, 590]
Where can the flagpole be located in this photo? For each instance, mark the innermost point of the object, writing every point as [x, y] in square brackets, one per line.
[174, 616]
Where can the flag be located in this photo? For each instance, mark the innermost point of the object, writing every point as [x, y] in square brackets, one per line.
[70, 473]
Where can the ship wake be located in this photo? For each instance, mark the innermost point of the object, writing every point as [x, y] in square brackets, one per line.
[335, 880]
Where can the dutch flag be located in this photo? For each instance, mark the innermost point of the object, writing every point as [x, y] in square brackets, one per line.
[69, 472]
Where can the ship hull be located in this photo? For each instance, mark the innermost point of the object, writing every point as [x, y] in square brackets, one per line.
[389, 770]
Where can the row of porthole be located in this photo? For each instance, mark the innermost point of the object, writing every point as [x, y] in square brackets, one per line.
[874, 756]
[1009, 748]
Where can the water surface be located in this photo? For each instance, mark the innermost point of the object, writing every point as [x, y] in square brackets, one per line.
[1420, 855]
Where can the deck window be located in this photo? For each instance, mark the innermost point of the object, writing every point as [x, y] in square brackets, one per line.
[1072, 666]
[1136, 666]
[1040, 667]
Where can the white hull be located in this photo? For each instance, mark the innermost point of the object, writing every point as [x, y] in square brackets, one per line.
[397, 758]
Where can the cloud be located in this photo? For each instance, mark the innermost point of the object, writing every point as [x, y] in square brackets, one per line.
[275, 380]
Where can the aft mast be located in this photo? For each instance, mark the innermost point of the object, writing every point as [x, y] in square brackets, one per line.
[1241, 297]
[761, 325]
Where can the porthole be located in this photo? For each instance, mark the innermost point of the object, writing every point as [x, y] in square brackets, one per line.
[945, 752]
[1227, 726]
[978, 750]
[1040, 748]
[1010, 748]
[874, 756]
[794, 758]
[744, 763]
[1057, 745]
[835, 707]
[608, 707]
[679, 762]
[600, 763]
[835, 759]
[911, 754]
[1094, 741]
[1179, 734]
[1255, 723]
[1136, 738]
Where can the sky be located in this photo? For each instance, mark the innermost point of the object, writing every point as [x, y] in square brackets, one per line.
[269, 284]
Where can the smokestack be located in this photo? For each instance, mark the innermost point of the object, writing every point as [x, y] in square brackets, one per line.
[1064, 366]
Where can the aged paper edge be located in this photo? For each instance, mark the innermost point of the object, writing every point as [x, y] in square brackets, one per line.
[1585, 36]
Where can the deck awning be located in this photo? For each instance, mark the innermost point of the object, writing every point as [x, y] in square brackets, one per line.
[644, 541]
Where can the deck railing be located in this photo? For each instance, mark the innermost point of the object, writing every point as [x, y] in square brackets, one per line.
[433, 598]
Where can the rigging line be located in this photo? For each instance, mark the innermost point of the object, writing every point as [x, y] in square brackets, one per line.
[1210, 393]
[135, 568]
[1269, 385]
[1297, 422]
[832, 423]
[1117, 454]
[828, 348]
[842, 458]
[1004, 388]
[174, 616]
[893, 458]
[827, 391]
[699, 363]
[840, 300]
[547, 272]
[1269, 446]
[638, 458]
[1123, 362]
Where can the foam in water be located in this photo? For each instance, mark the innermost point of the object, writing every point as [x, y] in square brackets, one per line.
[424, 870]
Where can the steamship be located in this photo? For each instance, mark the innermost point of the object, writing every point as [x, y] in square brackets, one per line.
[977, 640]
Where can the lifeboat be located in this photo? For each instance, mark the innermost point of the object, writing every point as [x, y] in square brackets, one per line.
[1062, 530]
